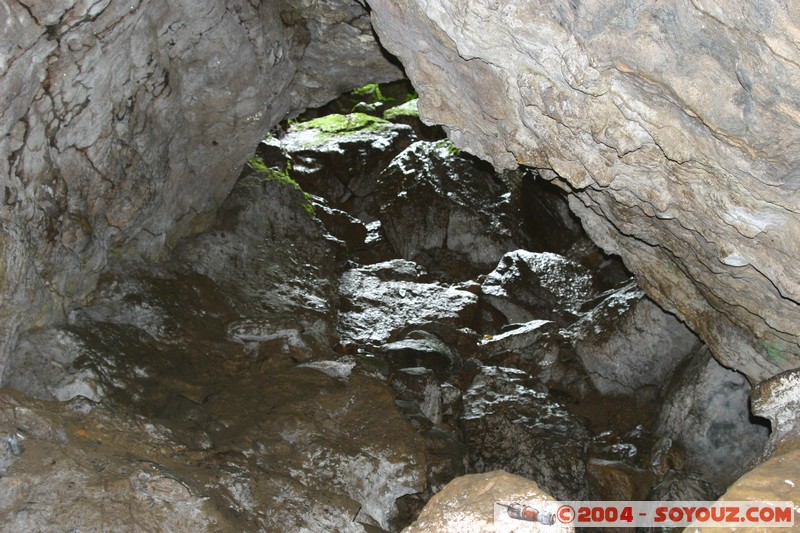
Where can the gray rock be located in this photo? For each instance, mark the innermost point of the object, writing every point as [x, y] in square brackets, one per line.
[422, 349]
[446, 458]
[667, 124]
[386, 297]
[46, 365]
[528, 286]
[313, 438]
[317, 438]
[511, 423]
[341, 224]
[778, 400]
[272, 258]
[524, 346]
[103, 471]
[123, 126]
[339, 157]
[433, 199]
[627, 343]
[420, 386]
[706, 411]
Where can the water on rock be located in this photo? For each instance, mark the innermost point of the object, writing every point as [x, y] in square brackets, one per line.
[331, 361]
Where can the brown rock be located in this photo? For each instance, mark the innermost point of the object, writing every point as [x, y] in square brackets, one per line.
[777, 479]
[669, 124]
[618, 481]
[467, 505]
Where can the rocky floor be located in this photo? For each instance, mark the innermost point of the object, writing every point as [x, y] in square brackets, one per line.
[370, 315]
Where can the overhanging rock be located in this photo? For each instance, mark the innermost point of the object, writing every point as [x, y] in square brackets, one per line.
[674, 126]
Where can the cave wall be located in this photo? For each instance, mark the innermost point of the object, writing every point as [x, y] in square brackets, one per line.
[125, 123]
[673, 125]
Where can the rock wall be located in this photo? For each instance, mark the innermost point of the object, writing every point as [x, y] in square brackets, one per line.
[674, 125]
[123, 125]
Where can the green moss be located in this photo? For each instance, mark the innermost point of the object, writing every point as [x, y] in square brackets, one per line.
[338, 124]
[448, 146]
[257, 164]
[408, 109]
[373, 90]
[282, 177]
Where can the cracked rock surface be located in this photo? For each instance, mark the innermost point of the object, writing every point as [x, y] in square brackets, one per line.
[674, 125]
[123, 125]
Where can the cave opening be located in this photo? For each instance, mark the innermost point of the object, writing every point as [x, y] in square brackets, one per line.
[374, 313]
[367, 315]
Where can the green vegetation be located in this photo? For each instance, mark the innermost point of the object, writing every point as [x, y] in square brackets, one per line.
[335, 124]
[408, 109]
[448, 146]
[373, 90]
[282, 177]
[332, 127]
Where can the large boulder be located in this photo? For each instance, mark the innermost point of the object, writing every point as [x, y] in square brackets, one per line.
[674, 126]
[510, 422]
[778, 400]
[381, 299]
[340, 157]
[629, 345]
[433, 199]
[527, 286]
[468, 504]
[124, 125]
[706, 410]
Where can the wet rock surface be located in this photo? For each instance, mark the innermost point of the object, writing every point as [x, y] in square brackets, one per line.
[287, 358]
[434, 202]
[705, 411]
[527, 286]
[629, 345]
[125, 125]
[668, 125]
[511, 423]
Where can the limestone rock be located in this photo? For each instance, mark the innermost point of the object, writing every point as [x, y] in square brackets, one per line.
[706, 410]
[408, 113]
[433, 199]
[90, 469]
[340, 224]
[467, 505]
[124, 125]
[420, 386]
[669, 125]
[529, 286]
[262, 250]
[46, 365]
[316, 438]
[778, 399]
[340, 157]
[627, 343]
[423, 349]
[383, 298]
[512, 423]
[776, 479]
